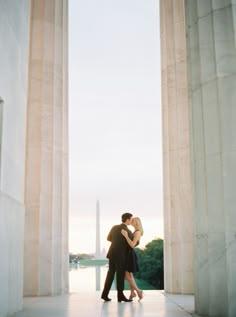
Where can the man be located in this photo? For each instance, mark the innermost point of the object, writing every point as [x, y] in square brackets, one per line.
[117, 255]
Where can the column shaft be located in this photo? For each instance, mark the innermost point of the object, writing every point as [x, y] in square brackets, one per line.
[14, 48]
[46, 223]
[176, 150]
[212, 91]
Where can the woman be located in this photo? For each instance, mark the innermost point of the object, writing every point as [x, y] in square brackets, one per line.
[132, 265]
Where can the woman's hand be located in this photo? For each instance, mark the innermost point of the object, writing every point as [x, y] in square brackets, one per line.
[124, 232]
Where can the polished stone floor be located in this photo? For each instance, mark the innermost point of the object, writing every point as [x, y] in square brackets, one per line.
[89, 304]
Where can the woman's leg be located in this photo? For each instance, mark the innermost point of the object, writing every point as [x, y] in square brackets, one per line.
[133, 286]
[132, 291]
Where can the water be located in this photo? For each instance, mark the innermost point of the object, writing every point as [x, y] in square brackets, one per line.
[87, 278]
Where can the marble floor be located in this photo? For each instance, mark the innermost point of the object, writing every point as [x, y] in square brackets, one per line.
[89, 304]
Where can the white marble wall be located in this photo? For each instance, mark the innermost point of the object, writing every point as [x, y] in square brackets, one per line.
[211, 42]
[176, 150]
[14, 39]
[46, 224]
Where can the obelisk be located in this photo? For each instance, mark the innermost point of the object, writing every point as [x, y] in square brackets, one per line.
[98, 248]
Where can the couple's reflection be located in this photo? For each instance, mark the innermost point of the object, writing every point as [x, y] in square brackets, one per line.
[133, 309]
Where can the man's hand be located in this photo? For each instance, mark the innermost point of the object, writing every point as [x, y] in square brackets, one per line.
[124, 233]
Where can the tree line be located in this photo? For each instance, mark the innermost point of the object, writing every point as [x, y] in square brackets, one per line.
[150, 260]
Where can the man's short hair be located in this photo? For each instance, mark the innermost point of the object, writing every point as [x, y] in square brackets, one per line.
[126, 216]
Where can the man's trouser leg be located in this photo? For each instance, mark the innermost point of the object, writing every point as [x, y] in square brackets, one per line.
[109, 279]
[120, 277]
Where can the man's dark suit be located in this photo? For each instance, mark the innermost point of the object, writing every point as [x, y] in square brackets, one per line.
[117, 255]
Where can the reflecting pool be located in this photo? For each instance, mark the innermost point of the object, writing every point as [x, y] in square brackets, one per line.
[87, 278]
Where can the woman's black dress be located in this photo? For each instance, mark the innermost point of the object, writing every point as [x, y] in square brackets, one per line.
[132, 263]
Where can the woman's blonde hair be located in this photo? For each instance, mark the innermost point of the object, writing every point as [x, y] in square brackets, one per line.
[138, 224]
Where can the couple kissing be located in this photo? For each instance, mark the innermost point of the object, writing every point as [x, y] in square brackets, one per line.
[123, 259]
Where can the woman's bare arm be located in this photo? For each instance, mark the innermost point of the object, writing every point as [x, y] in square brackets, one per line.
[136, 238]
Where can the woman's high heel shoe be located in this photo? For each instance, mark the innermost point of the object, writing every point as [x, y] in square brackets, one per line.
[132, 296]
[140, 295]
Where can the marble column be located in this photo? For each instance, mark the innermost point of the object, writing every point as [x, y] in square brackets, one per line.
[176, 150]
[46, 187]
[1, 126]
[211, 42]
[14, 54]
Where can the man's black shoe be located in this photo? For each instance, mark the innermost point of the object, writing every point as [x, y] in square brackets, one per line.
[124, 299]
[106, 298]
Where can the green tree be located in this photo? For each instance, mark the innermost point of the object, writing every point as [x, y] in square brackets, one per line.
[151, 263]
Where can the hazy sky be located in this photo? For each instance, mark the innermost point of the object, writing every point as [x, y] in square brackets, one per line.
[115, 117]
